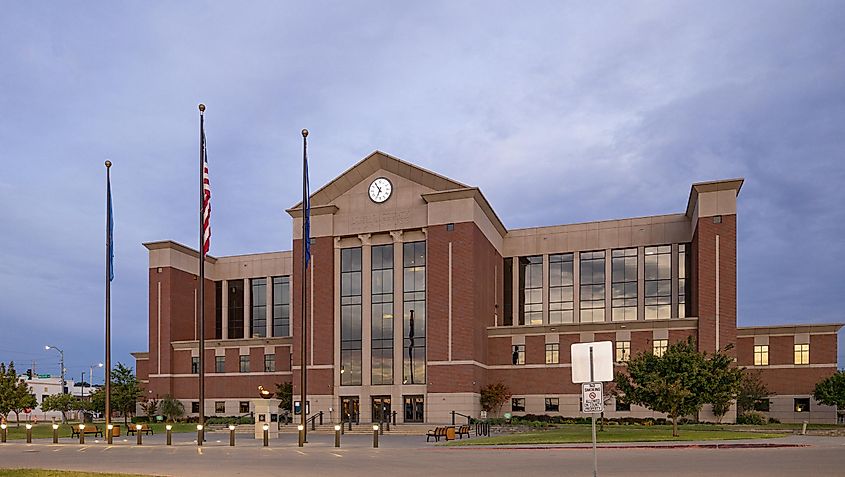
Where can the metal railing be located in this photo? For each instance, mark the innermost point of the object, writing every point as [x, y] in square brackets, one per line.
[313, 420]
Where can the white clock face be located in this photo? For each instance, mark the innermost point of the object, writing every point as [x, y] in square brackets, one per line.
[380, 190]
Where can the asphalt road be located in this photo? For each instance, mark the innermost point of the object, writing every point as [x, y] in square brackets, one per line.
[410, 456]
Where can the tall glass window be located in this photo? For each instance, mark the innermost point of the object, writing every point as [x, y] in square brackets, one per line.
[236, 309]
[258, 299]
[560, 288]
[218, 310]
[761, 355]
[382, 314]
[658, 282]
[623, 265]
[802, 353]
[592, 286]
[531, 290]
[281, 306]
[413, 274]
[350, 316]
[683, 270]
[623, 351]
[659, 347]
[507, 289]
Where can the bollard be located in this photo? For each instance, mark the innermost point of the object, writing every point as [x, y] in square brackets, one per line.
[394, 418]
[29, 433]
[169, 430]
[82, 433]
[375, 436]
[200, 436]
[231, 435]
[301, 429]
[804, 429]
[380, 428]
[266, 428]
[337, 431]
[138, 433]
[388, 423]
[342, 428]
[350, 424]
[3, 433]
[110, 434]
[55, 433]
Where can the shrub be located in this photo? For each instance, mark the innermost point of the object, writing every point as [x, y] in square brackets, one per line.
[773, 420]
[752, 418]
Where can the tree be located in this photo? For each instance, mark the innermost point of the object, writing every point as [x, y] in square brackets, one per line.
[675, 383]
[61, 402]
[284, 392]
[150, 407]
[98, 401]
[6, 386]
[15, 393]
[830, 391]
[723, 383]
[751, 390]
[125, 391]
[494, 396]
[171, 408]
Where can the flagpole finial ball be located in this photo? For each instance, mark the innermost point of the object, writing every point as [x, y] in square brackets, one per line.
[202, 107]
[108, 163]
[304, 133]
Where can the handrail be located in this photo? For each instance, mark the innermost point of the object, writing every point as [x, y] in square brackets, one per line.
[313, 420]
[469, 418]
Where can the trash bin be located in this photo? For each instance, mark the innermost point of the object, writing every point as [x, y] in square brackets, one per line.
[115, 432]
[450, 433]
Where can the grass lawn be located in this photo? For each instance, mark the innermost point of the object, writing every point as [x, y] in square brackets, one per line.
[55, 473]
[579, 433]
[45, 430]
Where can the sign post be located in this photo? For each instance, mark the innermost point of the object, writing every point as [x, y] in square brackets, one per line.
[592, 364]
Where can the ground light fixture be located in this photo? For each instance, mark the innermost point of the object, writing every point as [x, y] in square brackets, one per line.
[301, 430]
[199, 435]
[29, 433]
[3, 433]
[138, 434]
[110, 432]
[231, 435]
[55, 433]
[266, 428]
[82, 433]
[169, 430]
[337, 429]
[375, 435]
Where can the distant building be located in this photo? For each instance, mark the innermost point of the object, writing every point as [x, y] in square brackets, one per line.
[419, 296]
[41, 387]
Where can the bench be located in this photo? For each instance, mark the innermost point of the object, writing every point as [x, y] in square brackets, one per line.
[89, 429]
[460, 431]
[436, 433]
[146, 429]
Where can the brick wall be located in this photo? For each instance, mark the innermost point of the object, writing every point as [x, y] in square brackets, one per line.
[703, 300]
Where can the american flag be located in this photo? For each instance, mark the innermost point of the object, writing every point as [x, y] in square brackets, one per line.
[206, 200]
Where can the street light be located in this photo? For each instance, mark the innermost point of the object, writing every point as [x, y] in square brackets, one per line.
[91, 374]
[62, 353]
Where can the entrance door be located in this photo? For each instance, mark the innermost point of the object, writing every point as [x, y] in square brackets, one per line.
[414, 406]
[381, 408]
[349, 409]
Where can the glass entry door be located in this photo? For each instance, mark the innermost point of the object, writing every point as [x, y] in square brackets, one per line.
[349, 409]
[414, 406]
[381, 408]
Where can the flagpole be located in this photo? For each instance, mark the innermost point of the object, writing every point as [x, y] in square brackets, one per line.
[201, 284]
[109, 246]
[303, 402]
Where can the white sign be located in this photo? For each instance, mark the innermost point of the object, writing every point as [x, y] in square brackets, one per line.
[602, 361]
[592, 399]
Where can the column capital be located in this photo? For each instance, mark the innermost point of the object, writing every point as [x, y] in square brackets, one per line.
[365, 238]
[397, 235]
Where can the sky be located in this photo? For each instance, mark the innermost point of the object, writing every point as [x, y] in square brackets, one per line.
[561, 112]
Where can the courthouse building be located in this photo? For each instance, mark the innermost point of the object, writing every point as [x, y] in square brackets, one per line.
[419, 296]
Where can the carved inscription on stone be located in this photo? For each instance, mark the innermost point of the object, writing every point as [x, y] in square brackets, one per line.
[386, 220]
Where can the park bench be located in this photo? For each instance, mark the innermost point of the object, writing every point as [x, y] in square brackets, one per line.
[146, 429]
[436, 433]
[460, 431]
[89, 429]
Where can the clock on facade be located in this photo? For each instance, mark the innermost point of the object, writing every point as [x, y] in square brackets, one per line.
[380, 190]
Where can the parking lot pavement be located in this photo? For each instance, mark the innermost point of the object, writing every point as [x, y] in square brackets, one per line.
[410, 455]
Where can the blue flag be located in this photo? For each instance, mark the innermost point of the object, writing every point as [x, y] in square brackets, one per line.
[306, 213]
[110, 238]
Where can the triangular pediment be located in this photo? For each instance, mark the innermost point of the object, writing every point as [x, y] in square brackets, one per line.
[379, 161]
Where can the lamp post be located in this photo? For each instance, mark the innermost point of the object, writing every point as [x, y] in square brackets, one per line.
[29, 433]
[55, 433]
[169, 430]
[231, 435]
[62, 353]
[91, 373]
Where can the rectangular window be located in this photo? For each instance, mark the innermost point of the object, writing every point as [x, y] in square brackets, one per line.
[560, 288]
[802, 353]
[762, 405]
[414, 326]
[623, 351]
[761, 355]
[243, 407]
[281, 306]
[518, 354]
[195, 365]
[258, 300]
[219, 364]
[684, 268]
[236, 309]
[623, 264]
[350, 316]
[552, 404]
[507, 289]
[658, 282]
[219, 407]
[218, 310]
[659, 347]
[592, 286]
[269, 363]
[552, 353]
[195, 407]
[382, 314]
[518, 405]
[531, 290]
[802, 404]
[244, 363]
